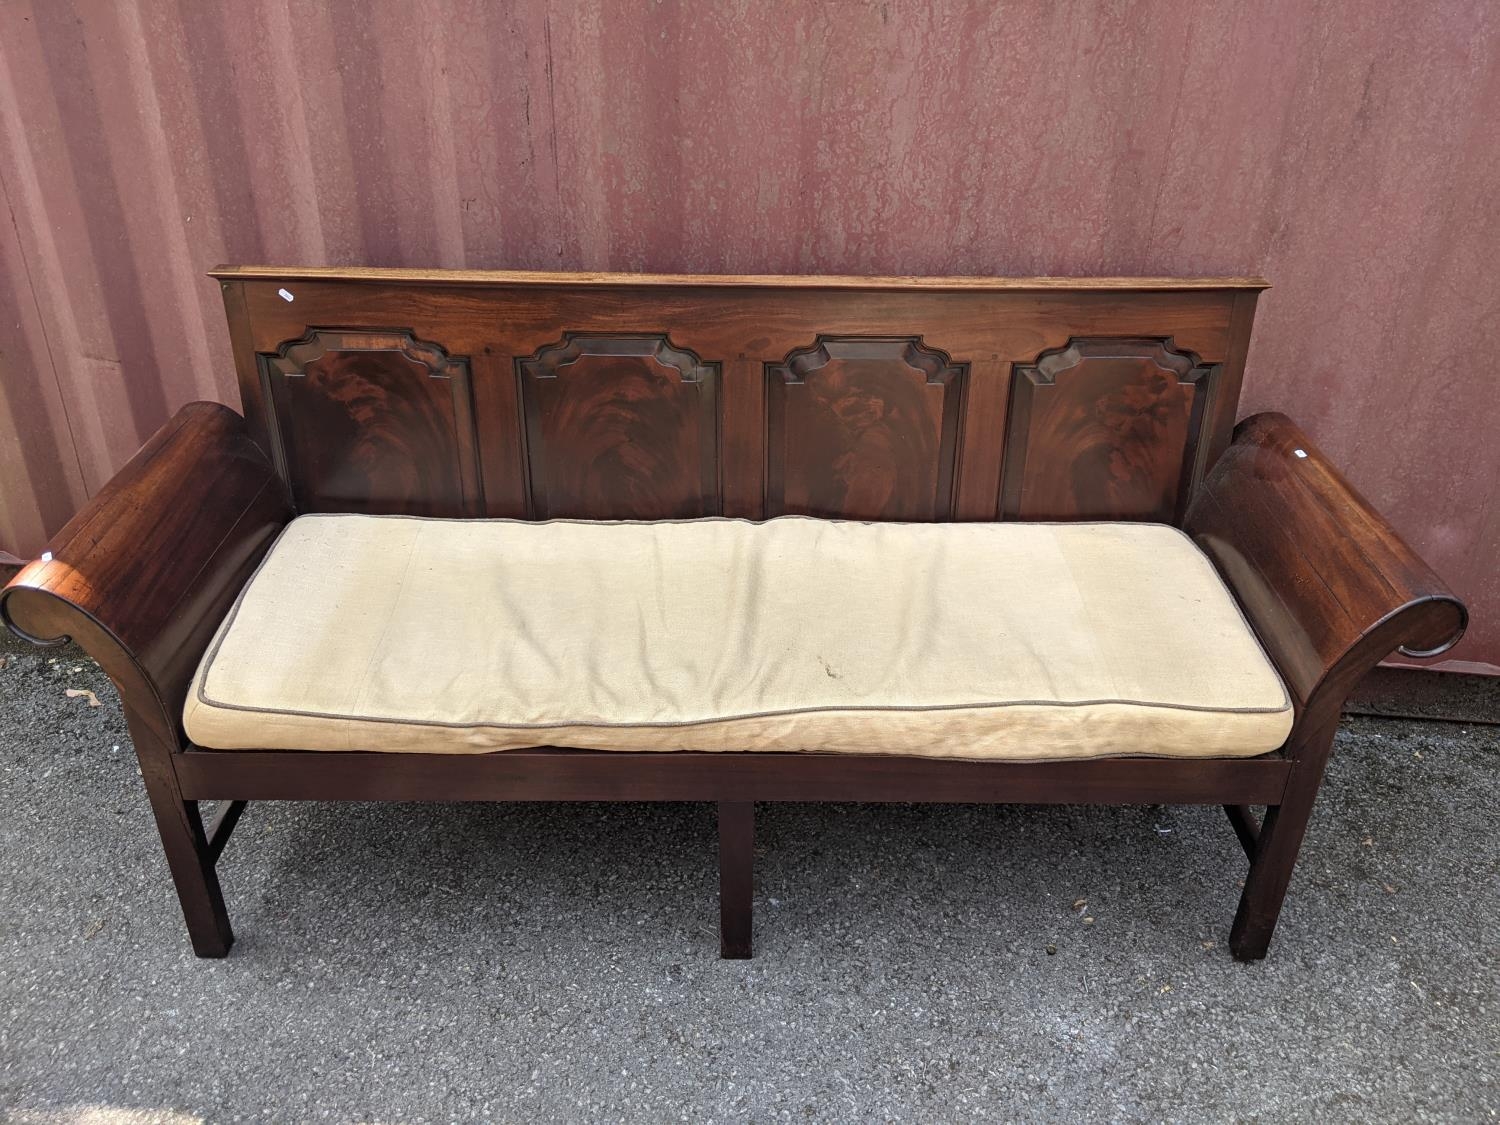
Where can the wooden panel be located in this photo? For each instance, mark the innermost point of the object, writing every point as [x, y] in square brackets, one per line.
[863, 428]
[1105, 429]
[620, 427]
[373, 421]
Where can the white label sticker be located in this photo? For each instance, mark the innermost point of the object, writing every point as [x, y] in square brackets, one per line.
[1300, 452]
[284, 294]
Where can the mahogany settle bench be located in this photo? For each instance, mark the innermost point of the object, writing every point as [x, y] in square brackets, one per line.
[507, 536]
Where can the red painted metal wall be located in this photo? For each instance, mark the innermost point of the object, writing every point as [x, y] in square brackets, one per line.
[1347, 149]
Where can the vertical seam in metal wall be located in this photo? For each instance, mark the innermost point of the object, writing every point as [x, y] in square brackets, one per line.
[36, 304]
[1161, 180]
[552, 129]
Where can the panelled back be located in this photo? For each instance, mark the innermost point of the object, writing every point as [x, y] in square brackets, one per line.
[542, 396]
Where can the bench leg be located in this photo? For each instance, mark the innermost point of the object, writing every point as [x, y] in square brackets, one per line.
[1276, 848]
[736, 877]
[197, 882]
[189, 855]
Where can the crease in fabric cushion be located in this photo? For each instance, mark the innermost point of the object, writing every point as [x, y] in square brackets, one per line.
[963, 640]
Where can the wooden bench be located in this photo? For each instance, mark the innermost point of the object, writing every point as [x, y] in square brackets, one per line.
[1028, 557]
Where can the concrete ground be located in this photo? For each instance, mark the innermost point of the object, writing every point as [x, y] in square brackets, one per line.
[447, 963]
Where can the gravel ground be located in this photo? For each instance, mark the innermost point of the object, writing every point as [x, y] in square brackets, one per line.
[534, 962]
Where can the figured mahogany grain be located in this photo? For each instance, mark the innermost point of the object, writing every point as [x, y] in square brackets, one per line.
[620, 427]
[863, 428]
[373, 421]
[1104, 429]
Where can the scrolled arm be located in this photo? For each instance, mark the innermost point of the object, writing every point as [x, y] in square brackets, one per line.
[1327, 583]
[142, 576]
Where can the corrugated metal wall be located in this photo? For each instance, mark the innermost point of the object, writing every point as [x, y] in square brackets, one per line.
[1347, 149]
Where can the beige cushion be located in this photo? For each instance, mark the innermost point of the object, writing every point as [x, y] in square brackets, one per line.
[953, 640]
